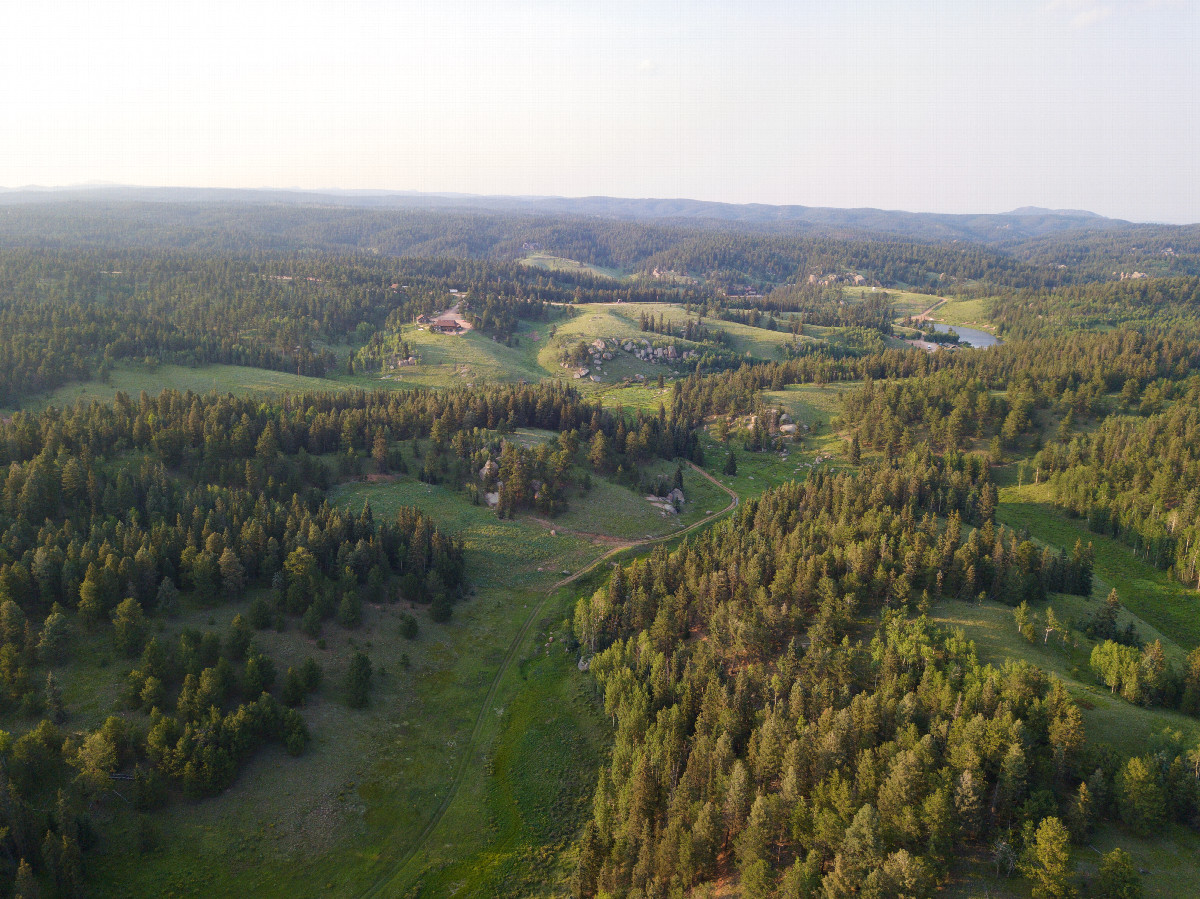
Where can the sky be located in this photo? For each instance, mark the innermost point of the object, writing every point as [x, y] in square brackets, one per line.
[924, 105]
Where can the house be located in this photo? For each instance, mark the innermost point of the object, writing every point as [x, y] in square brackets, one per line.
[446, 326]
[422, 319]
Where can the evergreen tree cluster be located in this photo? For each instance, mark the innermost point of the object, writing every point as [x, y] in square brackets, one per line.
[757, 735]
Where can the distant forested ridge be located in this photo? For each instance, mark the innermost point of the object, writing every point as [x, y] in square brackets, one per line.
[1025, 248]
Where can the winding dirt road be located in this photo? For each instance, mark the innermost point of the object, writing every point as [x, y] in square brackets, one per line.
[926, 315]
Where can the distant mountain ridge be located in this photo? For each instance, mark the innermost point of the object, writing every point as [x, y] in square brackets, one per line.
[1054, 246]
[989, 228]
[1069, 213]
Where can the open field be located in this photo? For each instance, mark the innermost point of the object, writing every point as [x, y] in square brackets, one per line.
[471, 358]
[904, 302]
[614, 510]
[621, 321]
[1107, 718]
[759, 343]
[1169, 863]
[617, 320]
[1147, 592]
[966, 313]
[531, 788]
[330, 822]
[818, 407]
[562, 264]
[756, 472]
[646, 396]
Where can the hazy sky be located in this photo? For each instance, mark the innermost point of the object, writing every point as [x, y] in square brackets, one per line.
[913, 104]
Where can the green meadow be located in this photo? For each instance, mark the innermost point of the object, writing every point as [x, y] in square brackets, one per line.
[562, 264]
[966, 313]
[330, 822]
[1150, 594]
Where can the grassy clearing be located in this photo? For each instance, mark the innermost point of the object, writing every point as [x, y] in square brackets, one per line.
[1150, 594]
[491, 543]
[621, 321]
[332, 821]
[1159, 608]
[531, 437]
[904, 302]
[1107, 718]
[756, 472]
[808, 404]
[616, 320]
[817, 407]
[562, 264]
[536, 789]
[506, 832]
[614, 510]
[646, 396]
[965, 313]
[759, 343]
[1169, 863]
[472, 358]
[133, 379]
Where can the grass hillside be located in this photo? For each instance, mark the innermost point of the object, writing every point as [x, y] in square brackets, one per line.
[329, 822]
[621, 321]
[613, 510]
[562, 264]
[453, 360]
[964, 313]
[1107, 718]
[1147, 592]
[760, 343]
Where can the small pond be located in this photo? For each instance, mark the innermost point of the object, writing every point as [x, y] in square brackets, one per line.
[970, 337]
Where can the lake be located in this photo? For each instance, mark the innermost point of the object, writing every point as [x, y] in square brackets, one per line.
[971, 337]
